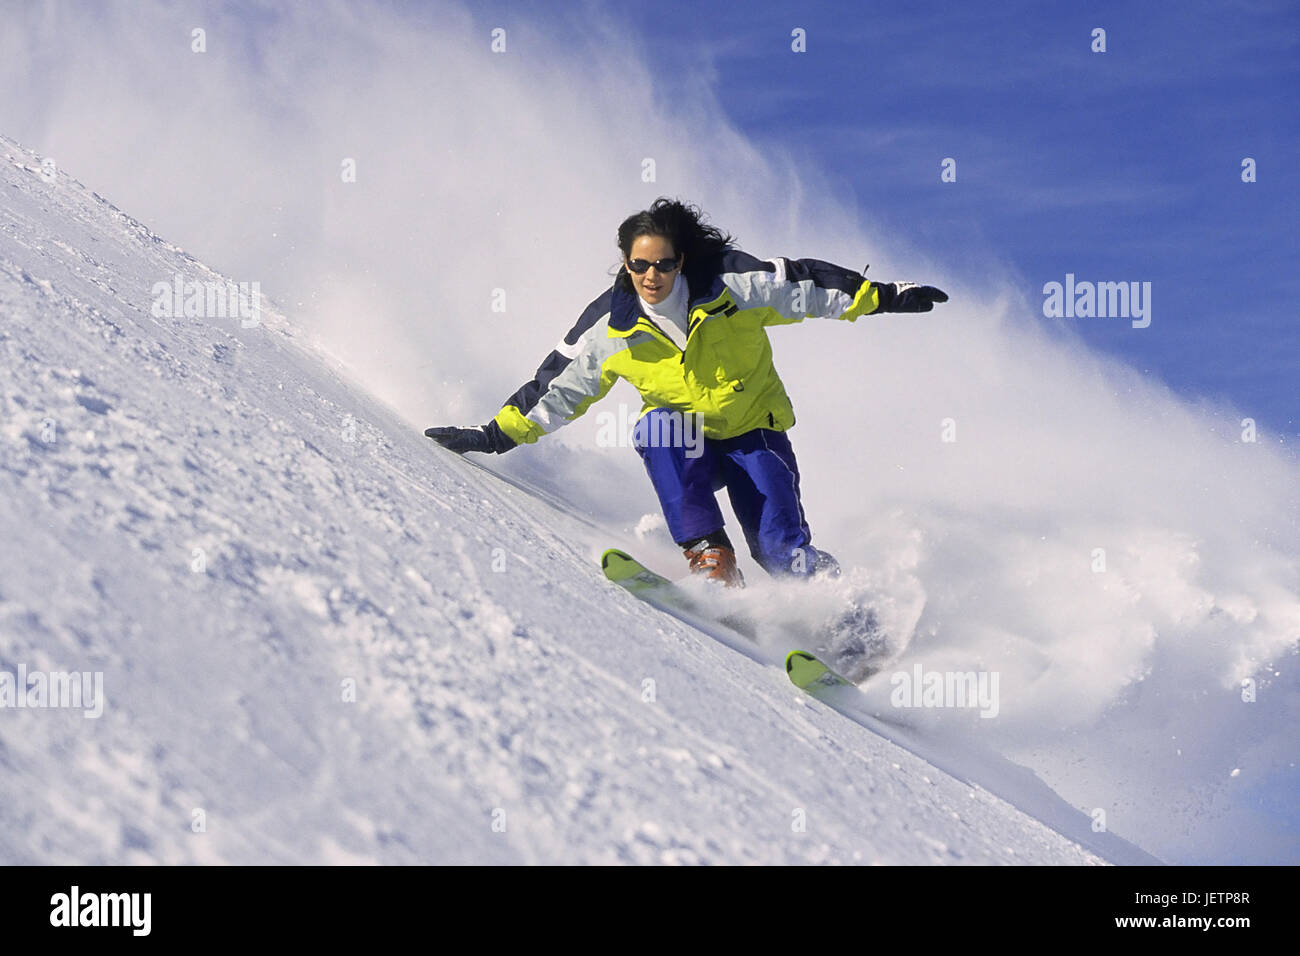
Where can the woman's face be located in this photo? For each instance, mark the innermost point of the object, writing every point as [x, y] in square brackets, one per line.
[652, 285]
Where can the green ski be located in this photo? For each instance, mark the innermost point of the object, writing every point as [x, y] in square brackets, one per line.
[807, 672]
[659, 591]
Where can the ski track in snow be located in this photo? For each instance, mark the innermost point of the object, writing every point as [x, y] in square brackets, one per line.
[229, 532]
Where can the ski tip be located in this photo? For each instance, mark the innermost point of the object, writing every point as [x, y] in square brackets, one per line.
[796, 659]
[808, 671]
[802, 668]
[613, 554]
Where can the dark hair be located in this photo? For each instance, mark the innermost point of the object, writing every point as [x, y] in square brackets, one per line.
[680, 223]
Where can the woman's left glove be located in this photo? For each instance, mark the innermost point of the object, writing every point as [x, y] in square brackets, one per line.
[908, 297]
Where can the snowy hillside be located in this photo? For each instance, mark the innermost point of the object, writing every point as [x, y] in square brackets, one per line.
[322, 640]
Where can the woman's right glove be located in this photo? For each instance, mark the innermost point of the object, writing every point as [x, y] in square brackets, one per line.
[488, 439]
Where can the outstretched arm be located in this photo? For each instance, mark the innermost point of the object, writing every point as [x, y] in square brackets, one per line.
[569, 380]
[796, 289]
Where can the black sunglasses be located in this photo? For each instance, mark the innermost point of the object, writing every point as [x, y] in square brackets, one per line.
[640, 266]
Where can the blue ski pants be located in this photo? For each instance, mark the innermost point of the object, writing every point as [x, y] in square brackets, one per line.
[761, 476]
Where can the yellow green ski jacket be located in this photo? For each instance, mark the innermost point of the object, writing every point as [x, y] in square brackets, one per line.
[724, 376]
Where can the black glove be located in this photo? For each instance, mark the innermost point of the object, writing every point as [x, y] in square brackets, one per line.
[908, 297]
[488, 439]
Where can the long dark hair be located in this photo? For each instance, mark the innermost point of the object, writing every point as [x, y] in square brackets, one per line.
[680, 223]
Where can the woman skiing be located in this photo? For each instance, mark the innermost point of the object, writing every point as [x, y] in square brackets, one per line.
[685, 322]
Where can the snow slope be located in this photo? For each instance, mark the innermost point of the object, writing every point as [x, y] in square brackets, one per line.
[235, 536]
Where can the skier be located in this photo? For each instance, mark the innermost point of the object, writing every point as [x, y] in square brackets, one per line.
[685, 322]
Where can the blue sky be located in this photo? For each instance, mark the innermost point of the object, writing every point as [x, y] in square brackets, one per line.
[1115, 166]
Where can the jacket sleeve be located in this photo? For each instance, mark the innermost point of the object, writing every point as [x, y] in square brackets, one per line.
[792, 290]
[570, 380]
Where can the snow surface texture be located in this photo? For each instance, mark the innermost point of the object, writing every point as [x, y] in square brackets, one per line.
[234, 536]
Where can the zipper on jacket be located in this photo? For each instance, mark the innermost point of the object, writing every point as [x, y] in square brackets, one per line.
[663, 335]
[695, 318]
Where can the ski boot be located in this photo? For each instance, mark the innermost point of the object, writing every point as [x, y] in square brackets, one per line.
[713, 557]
